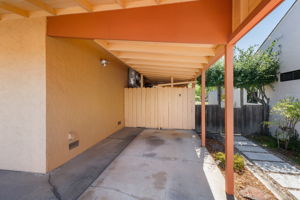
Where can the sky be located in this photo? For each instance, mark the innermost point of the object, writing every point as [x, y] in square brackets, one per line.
[262, 30]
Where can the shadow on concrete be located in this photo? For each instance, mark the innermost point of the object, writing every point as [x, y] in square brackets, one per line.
[212, 179]
[70, 180]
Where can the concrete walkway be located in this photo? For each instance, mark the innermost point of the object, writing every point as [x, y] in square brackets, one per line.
[281, 173]
[160, 165]
[69, 181]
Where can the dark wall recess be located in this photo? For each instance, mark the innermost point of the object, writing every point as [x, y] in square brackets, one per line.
[290, 76]
[74, 144]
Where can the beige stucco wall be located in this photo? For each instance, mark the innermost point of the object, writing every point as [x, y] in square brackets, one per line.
[82, 96]
[22, 95]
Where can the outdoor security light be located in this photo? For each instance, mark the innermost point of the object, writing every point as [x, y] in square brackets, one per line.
[104, 62]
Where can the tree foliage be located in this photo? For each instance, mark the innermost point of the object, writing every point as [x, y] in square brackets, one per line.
[215, 75]
[287, 111]
[255, 70]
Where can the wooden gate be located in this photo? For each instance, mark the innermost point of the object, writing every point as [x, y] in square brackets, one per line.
[172, 108]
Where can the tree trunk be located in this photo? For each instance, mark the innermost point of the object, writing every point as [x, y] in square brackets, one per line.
[242, 97]
[266, 118]
[219, 95]
[242, 109]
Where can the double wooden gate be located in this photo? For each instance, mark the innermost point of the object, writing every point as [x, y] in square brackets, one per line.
[172, 108]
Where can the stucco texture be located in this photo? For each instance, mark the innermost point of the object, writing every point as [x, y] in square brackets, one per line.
[83, 97]
[23, 95]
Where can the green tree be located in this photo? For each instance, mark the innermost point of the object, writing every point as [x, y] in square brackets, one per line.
[254, 71]
[214, 78]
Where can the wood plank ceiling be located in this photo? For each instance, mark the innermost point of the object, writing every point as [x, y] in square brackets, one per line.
[157, 61]
[160, 61]
[11, 9]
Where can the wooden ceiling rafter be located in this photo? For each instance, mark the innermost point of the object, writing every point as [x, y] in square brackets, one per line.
[85, 4]
[163, 64]
[122, 3]
[14, 9]
[162, 57]
[42, 5]
[164, 68]
[52, 7]
[159, 59]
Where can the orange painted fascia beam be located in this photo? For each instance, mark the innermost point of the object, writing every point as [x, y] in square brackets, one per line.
[261, 11]
[204, 22]
[258, 14]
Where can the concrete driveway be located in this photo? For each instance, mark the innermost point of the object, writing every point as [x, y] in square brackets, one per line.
[160, 165]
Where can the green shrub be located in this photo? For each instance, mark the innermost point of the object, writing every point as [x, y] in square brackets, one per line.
[238, 165]
[220, 158]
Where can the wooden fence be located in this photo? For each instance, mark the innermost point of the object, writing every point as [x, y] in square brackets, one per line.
[170, 108]
[247, 120]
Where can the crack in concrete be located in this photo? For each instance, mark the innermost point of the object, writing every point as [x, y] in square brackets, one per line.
[53, 188]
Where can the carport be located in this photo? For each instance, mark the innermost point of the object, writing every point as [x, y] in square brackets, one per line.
[165, 41]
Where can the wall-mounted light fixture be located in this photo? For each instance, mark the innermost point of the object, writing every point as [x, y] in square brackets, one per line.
[104, 62]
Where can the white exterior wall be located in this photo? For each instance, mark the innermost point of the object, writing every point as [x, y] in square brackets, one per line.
[213, 98]
[288, 35]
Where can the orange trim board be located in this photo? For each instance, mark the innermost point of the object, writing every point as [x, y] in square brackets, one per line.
[258, 14]
[204, 22]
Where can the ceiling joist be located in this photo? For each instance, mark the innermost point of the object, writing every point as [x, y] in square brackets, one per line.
[170, 68]
[122, 3]
[158, 44]
[145, 47]
[144, 71]
[161, 57]
[163, 63]
[13, 9]
[58, 7]
[42, 5]
[85, 4]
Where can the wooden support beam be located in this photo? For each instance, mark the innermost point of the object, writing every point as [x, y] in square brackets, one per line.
[183, 23]
[229, 120]
[159, 44]
[219, 52]
[164, 68]
[195, 82]
[177, 83]
[142, 81]
[85, 4]
[157, 1]
[42, 5]
[157, 74]
[11, 8]
[167, 77]
[160, 57]
[166, 73]
[163, 63]
[162, 49]
[122, 3]
[203, 111]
